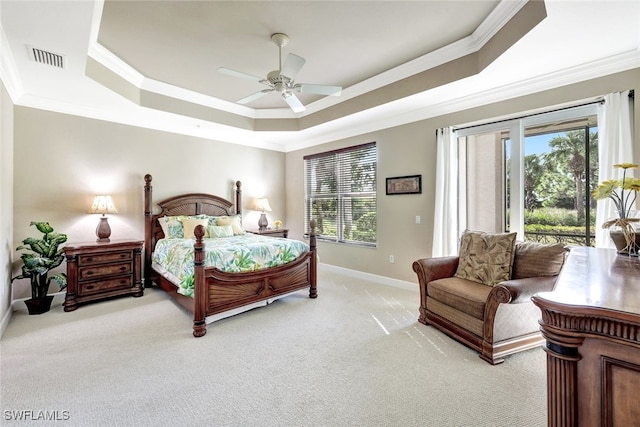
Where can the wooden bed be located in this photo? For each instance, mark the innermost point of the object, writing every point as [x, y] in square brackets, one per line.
[216, 291]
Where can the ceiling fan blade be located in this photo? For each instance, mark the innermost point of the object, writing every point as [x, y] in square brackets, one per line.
[318, 89]
[253, 97]
[292, 65]
[293, 102]
[234, 73]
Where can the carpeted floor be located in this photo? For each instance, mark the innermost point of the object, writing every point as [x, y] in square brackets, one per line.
[356, 356]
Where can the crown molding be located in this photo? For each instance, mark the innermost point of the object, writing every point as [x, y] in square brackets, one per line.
[375, 119]
[383, 117]
[8, 69]
[497, 19]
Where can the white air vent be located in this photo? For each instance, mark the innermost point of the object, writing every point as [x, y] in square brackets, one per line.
[45, 57]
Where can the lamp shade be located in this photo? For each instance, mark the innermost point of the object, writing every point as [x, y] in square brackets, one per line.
[102, 205]
[263, 205]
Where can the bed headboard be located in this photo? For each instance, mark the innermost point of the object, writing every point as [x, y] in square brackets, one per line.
[185, 204]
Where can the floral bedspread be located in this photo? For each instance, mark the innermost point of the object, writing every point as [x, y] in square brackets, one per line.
[242, 253]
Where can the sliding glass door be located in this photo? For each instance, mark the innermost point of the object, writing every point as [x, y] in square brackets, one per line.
[532, 175]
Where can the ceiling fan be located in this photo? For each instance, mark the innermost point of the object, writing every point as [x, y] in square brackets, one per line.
[282, 79]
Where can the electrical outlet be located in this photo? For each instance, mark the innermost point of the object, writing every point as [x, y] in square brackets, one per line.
[417, 219]
[391, 259]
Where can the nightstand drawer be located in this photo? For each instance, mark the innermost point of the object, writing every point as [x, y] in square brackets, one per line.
[89, 288]
[104, 257]
[96, 271]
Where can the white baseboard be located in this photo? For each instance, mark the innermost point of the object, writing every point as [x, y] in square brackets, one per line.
[388, 281]
[5, 322]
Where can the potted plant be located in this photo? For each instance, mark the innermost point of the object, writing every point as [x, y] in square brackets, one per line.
[623, 192]
[45, 256]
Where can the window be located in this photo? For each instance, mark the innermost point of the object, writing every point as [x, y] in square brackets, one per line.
[533, 175]
[340, 194]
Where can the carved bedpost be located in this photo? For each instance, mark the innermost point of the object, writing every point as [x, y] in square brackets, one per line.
[148, 229]
[238, 197]
[313, 289]
[200, 290]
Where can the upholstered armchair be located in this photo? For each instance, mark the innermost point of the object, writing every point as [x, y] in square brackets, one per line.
[482, 297]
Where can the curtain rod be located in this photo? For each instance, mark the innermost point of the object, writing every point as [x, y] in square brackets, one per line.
[599, 101]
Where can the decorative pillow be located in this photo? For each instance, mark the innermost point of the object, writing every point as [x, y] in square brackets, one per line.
[171, 226]
[216, 231]
[190, 223]
[212, 220]
[486, 257]
[233, 221]
[534, 259]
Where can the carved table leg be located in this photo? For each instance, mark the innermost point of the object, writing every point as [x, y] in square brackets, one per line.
[562, 378]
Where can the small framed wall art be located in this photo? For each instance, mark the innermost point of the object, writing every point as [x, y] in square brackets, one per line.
[404, 185]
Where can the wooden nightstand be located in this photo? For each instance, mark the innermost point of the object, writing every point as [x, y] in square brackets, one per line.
[101, 270]
[281, 232]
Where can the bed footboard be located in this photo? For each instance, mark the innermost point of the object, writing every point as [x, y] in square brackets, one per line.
[216, 291]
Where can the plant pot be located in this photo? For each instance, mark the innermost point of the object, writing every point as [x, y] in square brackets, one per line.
[39, 305]
[617, 237]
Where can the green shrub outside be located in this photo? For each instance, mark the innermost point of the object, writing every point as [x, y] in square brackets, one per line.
[564, 229]
[365, 230]
[555, 217]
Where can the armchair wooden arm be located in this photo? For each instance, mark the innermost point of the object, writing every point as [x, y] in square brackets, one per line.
[517, 291]
[521, 290]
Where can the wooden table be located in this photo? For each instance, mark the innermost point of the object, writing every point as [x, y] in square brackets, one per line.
[592, 326]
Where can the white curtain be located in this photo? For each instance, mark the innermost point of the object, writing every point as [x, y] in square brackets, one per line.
[445, 225]
[614, 146]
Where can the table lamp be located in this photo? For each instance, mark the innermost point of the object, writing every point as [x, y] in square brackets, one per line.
[103, 204]
[263, 205]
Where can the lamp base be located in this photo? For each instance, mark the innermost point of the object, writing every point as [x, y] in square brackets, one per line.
[262, 222]
[103, 231]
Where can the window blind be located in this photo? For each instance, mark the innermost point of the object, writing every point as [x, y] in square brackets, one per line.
[340, 194]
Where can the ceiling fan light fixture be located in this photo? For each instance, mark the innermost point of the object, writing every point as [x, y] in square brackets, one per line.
[282, 80]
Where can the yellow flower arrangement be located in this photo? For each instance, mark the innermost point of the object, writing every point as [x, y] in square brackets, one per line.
[277, 223]
[623, 192]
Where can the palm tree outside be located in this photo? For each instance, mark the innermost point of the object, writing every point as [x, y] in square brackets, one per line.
[560, 175]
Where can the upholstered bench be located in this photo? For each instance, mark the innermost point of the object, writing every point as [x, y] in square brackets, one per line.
[482, 297]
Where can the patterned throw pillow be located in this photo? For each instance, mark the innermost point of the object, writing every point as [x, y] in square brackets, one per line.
[171, 227]
[217, 231]
[486, 257]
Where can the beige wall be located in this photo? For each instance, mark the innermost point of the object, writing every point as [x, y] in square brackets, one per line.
[62, 161]
[411, 149]
[404, 150]
[6, 203]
